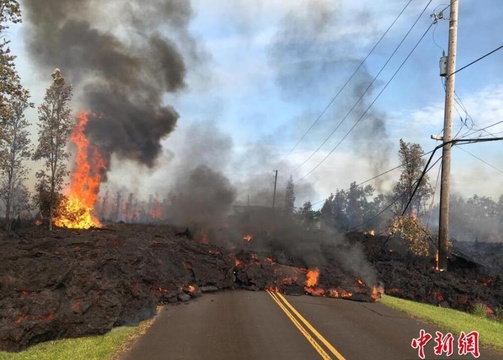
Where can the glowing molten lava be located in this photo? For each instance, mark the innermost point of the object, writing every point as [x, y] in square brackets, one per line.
[311, 281]
[247, 238]
[312, 277]
[77, 212]
[377, 292]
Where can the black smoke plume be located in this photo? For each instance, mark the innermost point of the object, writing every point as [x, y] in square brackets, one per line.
[122, 58]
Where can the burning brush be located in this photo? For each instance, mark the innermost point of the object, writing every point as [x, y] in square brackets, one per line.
[77, 209]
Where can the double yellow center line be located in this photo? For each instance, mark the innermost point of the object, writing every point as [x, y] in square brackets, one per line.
[306, 329]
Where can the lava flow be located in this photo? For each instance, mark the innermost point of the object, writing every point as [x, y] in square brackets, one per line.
[311, 281]
[77, 210]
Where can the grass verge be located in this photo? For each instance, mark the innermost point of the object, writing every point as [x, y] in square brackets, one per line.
[108, 346]
[451, 320]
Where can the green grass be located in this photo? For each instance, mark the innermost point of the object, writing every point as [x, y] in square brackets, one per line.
[479, 310]
[490, 331]
[102, 347]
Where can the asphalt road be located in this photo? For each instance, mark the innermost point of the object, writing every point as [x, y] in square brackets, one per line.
[258, 325]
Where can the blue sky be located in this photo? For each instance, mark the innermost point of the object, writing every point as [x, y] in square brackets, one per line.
[269, 68]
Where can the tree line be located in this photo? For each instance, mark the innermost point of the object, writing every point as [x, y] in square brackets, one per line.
[360, 208]
[16, 149]
[407, 211]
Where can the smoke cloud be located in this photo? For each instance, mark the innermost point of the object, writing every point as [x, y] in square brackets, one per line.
[201, 194]
[123, 63]
[202, 198]
[314, 54]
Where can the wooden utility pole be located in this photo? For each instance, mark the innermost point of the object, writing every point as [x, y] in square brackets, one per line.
[274, 194]
[443, 233]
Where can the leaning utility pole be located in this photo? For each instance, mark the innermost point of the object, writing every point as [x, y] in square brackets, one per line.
[274, 194]
[443, 233]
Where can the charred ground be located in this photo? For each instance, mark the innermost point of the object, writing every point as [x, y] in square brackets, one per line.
[71, 283]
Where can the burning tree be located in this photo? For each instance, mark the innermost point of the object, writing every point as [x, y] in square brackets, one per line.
[54, 130]
[77, 210]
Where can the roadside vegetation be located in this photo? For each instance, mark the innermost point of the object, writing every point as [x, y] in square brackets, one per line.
[454, 321]
[101, 347]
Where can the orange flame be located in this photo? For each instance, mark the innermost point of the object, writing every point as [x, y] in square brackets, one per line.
[85, 181]
[346, 294]
[192, 288]
[247, 238]
[156, 211]
[312, 277]
[333, 293]
[339, 294]
[377, 292]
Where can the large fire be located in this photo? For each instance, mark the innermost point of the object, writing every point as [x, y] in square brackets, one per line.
[77, 212]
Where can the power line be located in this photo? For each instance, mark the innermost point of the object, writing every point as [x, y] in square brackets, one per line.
[346, 83]
[458, 101]
[483, 129]
[369, 86]
[485, 162]
[371, 104]
[418, 183]
[425, 171]
[397, 198]
[375, 177]
[366, 181]
[480, 58]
